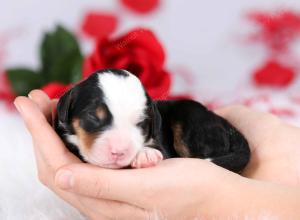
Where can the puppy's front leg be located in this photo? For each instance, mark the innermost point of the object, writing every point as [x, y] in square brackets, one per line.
[147, 157]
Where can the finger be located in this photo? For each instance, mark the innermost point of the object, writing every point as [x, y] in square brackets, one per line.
[45, 138]
[42, 101]
[107, 209]
[138, 187]
[239, 115]
[258, 127]
[45, 175]
[113, 209]
[54, 103]
[127, 185]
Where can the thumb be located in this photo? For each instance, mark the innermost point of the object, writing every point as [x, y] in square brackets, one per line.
[125, 185]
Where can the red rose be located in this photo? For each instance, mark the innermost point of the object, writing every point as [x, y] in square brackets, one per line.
[6, 92]
[141, 6]
[55, 90]
[274, 74]
[139, 52]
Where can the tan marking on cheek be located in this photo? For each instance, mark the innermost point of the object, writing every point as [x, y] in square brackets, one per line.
[179, 145]
[101, 113]
[86, 139]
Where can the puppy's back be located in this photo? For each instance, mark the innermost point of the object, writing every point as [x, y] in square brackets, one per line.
[189, 129]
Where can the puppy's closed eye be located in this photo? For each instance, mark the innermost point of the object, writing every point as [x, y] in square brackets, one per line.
[97, 120]
[91, 123]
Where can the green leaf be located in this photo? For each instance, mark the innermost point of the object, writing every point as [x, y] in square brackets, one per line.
[61, 56]
[24, 80]
[77, 70]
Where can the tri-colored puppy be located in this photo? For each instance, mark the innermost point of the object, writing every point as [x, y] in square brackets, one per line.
[110, 121]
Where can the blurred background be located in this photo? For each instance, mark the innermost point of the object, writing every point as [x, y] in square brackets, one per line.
[244, 52]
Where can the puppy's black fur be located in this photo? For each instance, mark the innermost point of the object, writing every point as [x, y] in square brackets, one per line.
[182, 128]
[203, 134]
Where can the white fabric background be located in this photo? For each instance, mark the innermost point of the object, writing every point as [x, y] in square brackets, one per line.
[202, 37]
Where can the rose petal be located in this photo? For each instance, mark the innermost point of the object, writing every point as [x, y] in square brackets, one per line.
[277, 29]
[161, 91]
[95, 61]
[55, 90]
[296, 100]
[6, 92]
[121, 62]
[274, 74]
[99, 25]
[141, 6]
[139, 38]
[282, 112]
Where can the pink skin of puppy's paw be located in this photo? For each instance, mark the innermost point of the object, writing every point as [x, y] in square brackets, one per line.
[147, 157]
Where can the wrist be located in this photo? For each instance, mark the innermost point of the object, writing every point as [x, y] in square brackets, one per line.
[242, 198]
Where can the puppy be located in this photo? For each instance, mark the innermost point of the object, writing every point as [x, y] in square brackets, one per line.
[110, 121]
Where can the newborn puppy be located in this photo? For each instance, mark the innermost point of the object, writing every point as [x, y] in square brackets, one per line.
[110, 121]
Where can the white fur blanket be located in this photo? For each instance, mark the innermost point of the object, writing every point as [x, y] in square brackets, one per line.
[22, 196]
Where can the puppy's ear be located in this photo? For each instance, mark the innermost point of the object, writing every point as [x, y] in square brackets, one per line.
[156, 120]
[64, 105]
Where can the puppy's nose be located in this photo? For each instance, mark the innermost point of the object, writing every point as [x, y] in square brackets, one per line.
[118, 153]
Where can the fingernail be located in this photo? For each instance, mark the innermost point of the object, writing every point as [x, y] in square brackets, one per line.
[18, 107]
[64, 179]
[29, 96]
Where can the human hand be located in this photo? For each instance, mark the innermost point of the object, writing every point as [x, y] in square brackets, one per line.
[275, 145]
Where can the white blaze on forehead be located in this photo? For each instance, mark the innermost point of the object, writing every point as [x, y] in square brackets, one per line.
[124, 96]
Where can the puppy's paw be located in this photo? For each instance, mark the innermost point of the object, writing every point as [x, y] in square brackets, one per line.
[147, 157]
